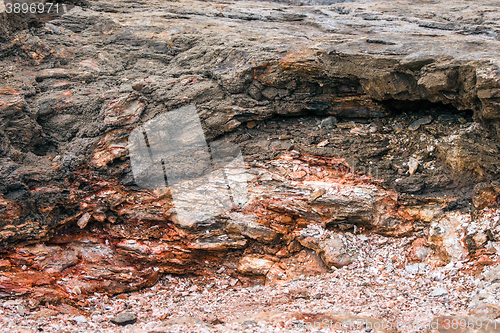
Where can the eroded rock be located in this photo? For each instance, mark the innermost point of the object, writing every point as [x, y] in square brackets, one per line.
[65, 172]
[255, 265]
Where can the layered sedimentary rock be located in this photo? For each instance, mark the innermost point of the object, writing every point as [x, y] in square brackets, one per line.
[74, 221]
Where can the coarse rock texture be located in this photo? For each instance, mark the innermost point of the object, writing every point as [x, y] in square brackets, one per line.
[357, 121]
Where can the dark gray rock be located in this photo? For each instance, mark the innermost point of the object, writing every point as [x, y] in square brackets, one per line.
[124, 318]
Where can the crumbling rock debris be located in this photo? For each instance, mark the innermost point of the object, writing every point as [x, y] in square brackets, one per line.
[485, 195]
[331, 248]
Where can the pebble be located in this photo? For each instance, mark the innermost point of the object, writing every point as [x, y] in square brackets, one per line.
[82, 222]
[397, 127]
[328, 122]
[359, 131]
[21, 310]
[316, 194]
[138, 86]
[124, 318]
[372, 128]
[417, 123]
[437, 292]
[412, 165]
[80, 319]
[323, 144]
[350, 124]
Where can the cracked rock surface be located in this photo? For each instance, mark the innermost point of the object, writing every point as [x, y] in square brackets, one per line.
[370, 137]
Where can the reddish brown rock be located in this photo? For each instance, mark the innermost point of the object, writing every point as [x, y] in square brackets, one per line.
[73, 91]
[301, 264]
[255, 265]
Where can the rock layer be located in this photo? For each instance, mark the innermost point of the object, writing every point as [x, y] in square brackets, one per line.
[72, 91]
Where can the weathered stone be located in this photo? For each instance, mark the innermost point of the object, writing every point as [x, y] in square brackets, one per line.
[112, 146]
[221, 243]
[124, 318]
[446, 235]
[480, 239]
[82, 222]
[417, 123]
[464, 155]
[485, 195]
[419, 250]
[65, 124]
[255, 265]
[487, 311]
[333, 249]
[412, 165]
[245, 225]
[124, 110]
[301, 264]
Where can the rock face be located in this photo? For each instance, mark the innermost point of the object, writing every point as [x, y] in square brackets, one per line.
[402, 84]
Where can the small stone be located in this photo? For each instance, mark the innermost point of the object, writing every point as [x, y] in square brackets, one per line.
[491, 250]
[328, 122]
[359, 131]
[251, 124]
[397, 127]
[417, 123]
[76, 290]
[316, 194]
[372, 128]
[485, 261]
[480, 239]
[438, 292]
[484, 196]
[124, 318]
[138, 86]
[255, 265]
[297, 174]
[350, 124]
[21, 310]
[412, 165]
[488, 311]
[80, 319]
[270, 92]
[331, 250]
[285, 137]
[5, 265]
[82, 222]
[323, 143]
[362, 238]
